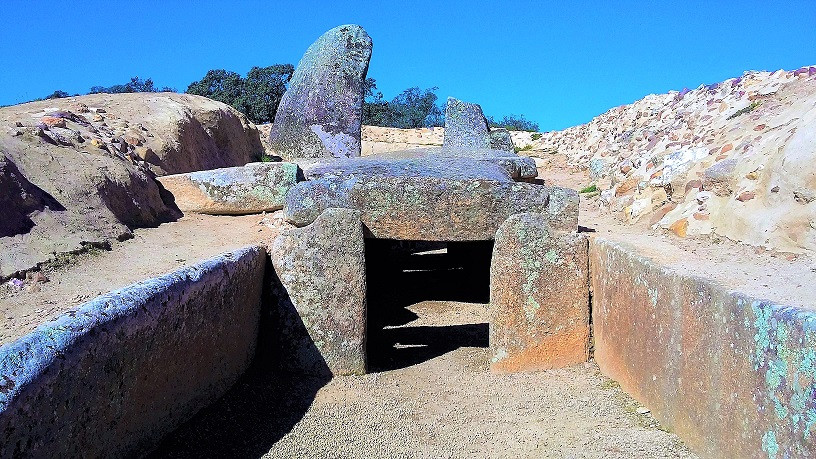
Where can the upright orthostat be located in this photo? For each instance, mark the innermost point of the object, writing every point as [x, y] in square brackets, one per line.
[321, 113]
[466, 127]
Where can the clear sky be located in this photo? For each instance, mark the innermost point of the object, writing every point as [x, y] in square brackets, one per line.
[558, 63]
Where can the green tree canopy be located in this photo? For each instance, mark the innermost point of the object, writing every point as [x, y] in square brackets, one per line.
[135, 84]
[257, 96]
[412, 108]
[513, 123]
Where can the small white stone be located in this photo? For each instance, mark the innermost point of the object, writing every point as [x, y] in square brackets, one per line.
[643, 410]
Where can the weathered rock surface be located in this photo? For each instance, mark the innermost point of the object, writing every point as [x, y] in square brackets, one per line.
[539, 296]
[465, 125]
[253, 188]
[321, 295]
[466, 128]
[321, 113]
[433, 199]
[453, 162]
[500, 140]
[112, 377]
[730, 372]
[90, 160]
[747, 136]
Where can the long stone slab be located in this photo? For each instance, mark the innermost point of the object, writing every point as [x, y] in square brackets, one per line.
[732, 374]
[539, 296]
[320, 291]
[444, 162]
[111, 378]
[432, 199]
[249, 189]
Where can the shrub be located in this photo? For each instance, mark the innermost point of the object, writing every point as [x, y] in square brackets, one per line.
[513, 123]
[535, 136]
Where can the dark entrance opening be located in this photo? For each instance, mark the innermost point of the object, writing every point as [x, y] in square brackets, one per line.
[433, 277]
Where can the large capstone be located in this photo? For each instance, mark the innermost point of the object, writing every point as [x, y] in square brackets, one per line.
[539, 296]
[249, 189]
[320, 288]
[320, 115]
[429, 199]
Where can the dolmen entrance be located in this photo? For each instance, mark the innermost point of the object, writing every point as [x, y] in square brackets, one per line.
[473, 188]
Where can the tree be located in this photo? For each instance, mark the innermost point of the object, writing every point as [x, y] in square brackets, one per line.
[221, 85]
[412, 108]
[257, 96]
[135, 84]
[58, 94]
[513, 123]
[263, 89]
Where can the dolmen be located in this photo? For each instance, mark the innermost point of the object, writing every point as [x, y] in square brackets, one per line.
[472, 188]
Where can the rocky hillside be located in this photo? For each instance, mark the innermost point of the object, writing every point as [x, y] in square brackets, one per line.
[79, 171]
[734, 159]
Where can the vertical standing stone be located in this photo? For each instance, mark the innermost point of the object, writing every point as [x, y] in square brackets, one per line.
[539, 296]
[321, 295]
[321, 113]
[465, 125]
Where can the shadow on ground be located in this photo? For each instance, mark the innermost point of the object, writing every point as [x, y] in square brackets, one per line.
[401, 274]
[258, 411]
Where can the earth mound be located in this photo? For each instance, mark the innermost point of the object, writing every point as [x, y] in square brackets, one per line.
[79, 171]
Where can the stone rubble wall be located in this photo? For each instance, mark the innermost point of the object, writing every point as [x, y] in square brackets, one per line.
[732, 375]
[112, 377]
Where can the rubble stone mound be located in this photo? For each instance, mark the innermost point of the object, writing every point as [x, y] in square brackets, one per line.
[321, 113]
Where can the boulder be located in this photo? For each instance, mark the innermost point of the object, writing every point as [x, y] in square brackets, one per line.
[321, 113]
[720, 178]
[450, 199]
[320, 288]
[539, 296]
[249, 189]
[465, 125]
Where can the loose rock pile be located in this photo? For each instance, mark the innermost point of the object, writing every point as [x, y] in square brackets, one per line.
[733, 158]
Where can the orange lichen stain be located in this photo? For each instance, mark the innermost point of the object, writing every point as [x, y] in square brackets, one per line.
[726, 148]
[680, 227]
[554, 351]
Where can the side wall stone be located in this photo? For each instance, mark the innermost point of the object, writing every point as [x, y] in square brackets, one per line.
[320, 290]
[734, 376]
[539, 296]
[112, 377]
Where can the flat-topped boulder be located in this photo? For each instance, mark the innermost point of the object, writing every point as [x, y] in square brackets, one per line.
[427, 198]
[253, 188]
[320, 115]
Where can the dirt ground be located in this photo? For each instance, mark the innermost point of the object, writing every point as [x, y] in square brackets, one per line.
[447, 405]
[152, 252]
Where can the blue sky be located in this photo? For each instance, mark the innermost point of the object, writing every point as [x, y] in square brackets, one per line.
[558, 63]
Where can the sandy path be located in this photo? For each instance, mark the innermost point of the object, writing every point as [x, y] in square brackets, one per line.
[447, 406]
[152, 252]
